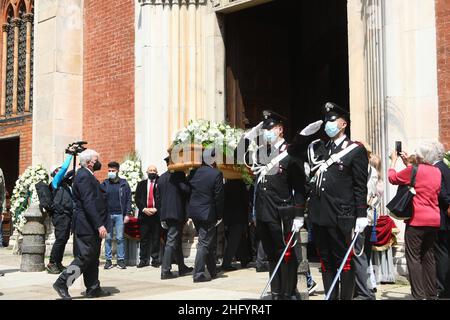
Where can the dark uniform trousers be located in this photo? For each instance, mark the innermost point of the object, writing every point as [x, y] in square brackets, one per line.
[332, 245]
[442, 256]
[206, 249]
[62, 223]
[173, 249]
[150, 245]
[86, 262]
[285, 281]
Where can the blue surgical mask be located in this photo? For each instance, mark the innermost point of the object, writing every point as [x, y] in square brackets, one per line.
[331, 129]
[270, 136]
[112, 175]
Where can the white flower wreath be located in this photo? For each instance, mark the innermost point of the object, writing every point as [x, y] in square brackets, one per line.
[25, 193]
[131, 170]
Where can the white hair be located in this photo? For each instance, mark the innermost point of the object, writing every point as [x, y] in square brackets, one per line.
[429, 152]
[87, 156]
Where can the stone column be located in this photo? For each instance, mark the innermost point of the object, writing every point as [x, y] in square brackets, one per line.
[4, 61]
[33, 245]
[29, 20]
[15, 24]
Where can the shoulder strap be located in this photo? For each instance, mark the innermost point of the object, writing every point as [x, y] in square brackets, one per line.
[337, 156]
[413, 176]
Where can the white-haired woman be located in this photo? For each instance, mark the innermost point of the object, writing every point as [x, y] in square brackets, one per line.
[421, 229]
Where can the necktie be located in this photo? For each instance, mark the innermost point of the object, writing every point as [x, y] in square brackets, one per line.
[150, 196]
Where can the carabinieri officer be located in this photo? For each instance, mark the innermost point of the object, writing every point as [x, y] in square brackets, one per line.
[338, 203]
[279, 205]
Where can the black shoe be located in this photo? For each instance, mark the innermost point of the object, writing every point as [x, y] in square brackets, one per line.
[229, 268]
[1, 274]
[97, 293]
[143, 264]
[62, 290]
[184, 271]
[277, 296]
[52, 268]
[156, 264]
[202, 279]
[121, 264]
[61, 267]
[108, 265]
[167, 275]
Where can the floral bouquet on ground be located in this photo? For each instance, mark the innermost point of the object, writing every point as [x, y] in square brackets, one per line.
[131, 170]
[25, 193]
[202, 135]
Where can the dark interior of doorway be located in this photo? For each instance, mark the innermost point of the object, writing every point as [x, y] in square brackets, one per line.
[9, 161]
[290, 56]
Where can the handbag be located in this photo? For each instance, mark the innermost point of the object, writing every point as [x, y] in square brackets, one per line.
[401, 206]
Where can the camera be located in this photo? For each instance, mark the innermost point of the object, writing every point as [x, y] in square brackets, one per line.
[77, 146]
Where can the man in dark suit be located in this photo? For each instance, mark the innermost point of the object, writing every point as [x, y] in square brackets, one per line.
[149, 222]
[172, 194]
[279, 205]
[206, 210]
[442, 245]
[338, 202]
[90, 223]
[235, 219]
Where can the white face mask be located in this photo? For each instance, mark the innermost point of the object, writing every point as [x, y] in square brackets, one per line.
[112, 175]
[332, 129]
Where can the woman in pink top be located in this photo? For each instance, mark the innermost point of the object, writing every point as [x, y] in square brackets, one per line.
[421, 229]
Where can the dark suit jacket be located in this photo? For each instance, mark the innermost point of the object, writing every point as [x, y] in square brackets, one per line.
[207, 195]
[343, 191]
[140, 198]
[172, 193]
[90, 211]
[444, 196]
[237, 203]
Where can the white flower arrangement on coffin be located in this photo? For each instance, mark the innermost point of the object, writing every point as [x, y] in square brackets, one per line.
[220, 135]
[25, 193]
[131, 170]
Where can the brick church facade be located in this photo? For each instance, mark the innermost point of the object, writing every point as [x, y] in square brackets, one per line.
[125, 75]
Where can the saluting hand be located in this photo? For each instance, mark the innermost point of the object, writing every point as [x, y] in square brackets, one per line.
[102, 232]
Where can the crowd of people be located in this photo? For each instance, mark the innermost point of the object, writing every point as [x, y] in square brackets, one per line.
[323, 182]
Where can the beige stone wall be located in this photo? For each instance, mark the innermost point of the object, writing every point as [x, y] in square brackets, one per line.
[57, 78]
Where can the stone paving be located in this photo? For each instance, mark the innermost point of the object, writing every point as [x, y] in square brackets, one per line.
[145, 284]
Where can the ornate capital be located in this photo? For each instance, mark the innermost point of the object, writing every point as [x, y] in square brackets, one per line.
[5, 27]
[28, 17]
[15, 22]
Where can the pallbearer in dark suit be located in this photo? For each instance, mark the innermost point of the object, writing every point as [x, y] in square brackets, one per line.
[149, 222]
[90, 223]
[206, 210]
[172, 194]
[338, 203]
[280, 204]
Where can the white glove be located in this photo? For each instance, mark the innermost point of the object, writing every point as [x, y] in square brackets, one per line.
[164, 225]
[218, 222]
[361, 224]
[311, 128]
[254, 132]
[297, 224]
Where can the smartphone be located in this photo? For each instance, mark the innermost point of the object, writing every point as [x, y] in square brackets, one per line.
[398, 147]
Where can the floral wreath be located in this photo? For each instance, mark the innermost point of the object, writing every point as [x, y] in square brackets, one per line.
[25, 193]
